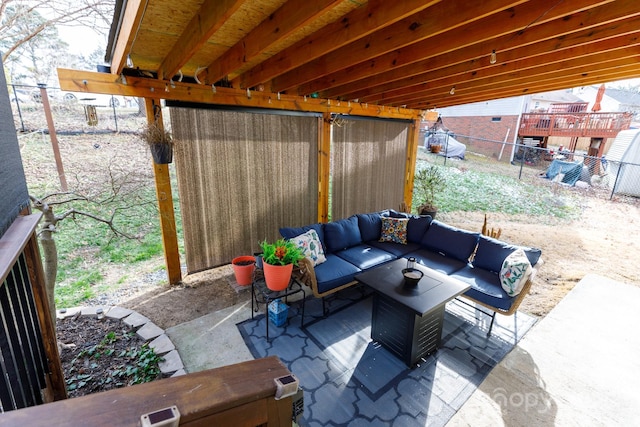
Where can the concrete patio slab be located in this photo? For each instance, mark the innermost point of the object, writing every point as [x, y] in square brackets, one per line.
[577, 366]
[212, 340]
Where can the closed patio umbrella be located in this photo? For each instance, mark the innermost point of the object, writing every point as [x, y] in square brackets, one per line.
[596, 105]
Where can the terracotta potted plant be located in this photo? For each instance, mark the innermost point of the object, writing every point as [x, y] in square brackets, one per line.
[278, 260]
[160, 143]
[428, 182]
[243, 268]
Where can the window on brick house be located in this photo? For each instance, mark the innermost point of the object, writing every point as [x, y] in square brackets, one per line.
[496, 119]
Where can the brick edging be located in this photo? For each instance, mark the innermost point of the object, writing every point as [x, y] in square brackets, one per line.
[144, 328]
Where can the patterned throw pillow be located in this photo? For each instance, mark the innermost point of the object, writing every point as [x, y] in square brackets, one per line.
[309, 244]
[516, 270]
[394, 230]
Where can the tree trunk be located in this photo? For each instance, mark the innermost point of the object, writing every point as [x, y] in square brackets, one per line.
[50, 254]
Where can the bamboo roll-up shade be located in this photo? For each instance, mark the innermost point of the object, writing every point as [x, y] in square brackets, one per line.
[368, 166]
[242, 176]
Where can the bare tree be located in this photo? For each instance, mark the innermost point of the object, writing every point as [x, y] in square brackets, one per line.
[50, 225]
[21, 22]
[101, 196]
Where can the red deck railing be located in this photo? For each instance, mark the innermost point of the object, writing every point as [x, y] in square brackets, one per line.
[594, 125]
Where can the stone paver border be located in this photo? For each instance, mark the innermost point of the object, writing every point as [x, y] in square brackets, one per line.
[143, 327]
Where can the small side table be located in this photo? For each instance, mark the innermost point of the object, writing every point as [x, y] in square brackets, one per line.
[261, 294]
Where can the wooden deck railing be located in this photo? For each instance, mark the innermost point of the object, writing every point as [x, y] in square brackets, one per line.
[594, 125]
[30, 367]
[235, 395]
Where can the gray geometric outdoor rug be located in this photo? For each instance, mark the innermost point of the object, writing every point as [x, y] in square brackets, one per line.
[348, 380]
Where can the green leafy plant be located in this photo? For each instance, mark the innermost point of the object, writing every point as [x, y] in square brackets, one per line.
[429, 181]
[282, 252]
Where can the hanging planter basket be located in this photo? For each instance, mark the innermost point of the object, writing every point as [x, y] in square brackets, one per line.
[162, 153]
[160, 143]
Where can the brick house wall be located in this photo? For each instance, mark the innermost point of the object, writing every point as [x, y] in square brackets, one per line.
[484, 134]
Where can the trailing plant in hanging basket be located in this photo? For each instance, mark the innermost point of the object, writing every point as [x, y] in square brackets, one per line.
[160, 143]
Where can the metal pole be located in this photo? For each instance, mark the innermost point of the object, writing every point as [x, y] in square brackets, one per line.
[15, 95]
[115, 117]
[52, 135]
[446, 146]
[615, 184]
[524, 151]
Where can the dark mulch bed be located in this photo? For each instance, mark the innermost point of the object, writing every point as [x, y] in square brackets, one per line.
[99, 355]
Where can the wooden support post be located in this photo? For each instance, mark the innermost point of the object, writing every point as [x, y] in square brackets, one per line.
[324, 159]
[165, 203]
[410, 165]
[53, 135]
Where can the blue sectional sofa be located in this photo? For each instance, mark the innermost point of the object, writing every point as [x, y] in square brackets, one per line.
[353, 245]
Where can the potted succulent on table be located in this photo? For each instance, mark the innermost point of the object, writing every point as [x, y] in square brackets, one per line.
[160, 143]
[429, 181]
[278, 260]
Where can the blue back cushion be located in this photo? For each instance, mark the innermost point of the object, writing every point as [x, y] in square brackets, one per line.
[291, 232]
[451, 241]
[396, 214]
[492, 252]
[417, 226]
[370, 225]
[342, 234]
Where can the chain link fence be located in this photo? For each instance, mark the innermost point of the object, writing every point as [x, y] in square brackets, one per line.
[75, 112]
[525, 160]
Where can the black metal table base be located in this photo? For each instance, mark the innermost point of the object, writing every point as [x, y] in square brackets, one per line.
[261, 294]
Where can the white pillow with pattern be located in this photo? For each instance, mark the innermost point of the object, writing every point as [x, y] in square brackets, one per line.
[516, 270]
[309, 244]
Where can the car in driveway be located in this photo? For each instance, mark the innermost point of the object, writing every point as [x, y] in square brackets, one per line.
[96, 99]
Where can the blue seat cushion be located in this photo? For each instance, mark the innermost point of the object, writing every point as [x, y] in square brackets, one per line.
[342, 234]
[485, 287]
[365, 256]
[437, 261]
[370, 225]
[397, 249]
[334, 272]
[451, 241]
[291, 232]
[491, 253]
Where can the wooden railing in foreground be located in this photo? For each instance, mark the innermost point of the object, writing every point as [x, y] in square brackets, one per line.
[234, 395]
[30, 370]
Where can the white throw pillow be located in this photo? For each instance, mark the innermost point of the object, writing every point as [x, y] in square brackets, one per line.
[516, 270]
[309, 244]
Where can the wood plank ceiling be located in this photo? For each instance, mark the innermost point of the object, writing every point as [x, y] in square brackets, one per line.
[414, 53]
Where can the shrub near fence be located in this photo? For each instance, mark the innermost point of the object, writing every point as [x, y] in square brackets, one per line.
[605, 178]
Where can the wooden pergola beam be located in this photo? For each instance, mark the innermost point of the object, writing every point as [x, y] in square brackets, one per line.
[128, 28]
[360, 22]
[93, 82]
[514, 27]
[578, 79]
[165, 202]
[289, 18]
[515, 71]
[474, 60]
[422, 26]
[205, 22]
